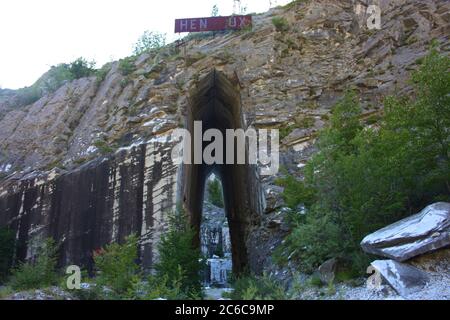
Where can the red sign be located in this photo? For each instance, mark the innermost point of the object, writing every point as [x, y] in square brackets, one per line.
[212, 24]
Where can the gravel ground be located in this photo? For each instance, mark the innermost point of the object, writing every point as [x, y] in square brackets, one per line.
[437, 289]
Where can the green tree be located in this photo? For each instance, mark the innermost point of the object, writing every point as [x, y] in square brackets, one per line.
[215, 193]
[180, 262]
[117, 267]
[365, 179]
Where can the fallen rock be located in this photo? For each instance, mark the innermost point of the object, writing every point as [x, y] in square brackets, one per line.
[405, 279]
[327, 271]
[421, 233]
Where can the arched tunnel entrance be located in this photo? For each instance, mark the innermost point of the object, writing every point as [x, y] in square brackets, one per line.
[216, 102]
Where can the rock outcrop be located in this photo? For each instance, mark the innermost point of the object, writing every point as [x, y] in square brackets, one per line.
[426, 231]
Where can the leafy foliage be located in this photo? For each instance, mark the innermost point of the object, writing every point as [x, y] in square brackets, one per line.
[150, 40]
[53, 79]
[127, 66]
[6, 251]
[252, 287]
[40, 273]
[117, 267]
[215, 193]
[280, 23]
[180, 262]
[364, 179]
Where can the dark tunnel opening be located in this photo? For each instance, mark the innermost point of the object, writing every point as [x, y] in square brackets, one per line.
[216, 103]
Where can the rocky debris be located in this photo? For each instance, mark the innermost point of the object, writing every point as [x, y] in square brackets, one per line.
[437, 288]
[327, 271]
[405, 279]
[426, 231]
[52, 293]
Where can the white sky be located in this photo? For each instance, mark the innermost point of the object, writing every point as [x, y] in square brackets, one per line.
[35, 34]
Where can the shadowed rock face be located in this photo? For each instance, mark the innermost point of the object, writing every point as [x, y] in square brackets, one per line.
[216, 103]
[101, 202]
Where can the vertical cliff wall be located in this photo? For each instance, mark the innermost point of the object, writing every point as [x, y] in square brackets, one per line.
[101, 202]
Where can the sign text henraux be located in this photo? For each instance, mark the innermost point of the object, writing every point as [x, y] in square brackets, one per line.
[213, 24]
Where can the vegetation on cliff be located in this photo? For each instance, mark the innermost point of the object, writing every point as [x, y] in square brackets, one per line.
[363, 179]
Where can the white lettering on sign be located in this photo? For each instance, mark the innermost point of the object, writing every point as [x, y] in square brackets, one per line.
[233, 22]
[193, 24]
[203, 24]
[243, 21]
[183, 25]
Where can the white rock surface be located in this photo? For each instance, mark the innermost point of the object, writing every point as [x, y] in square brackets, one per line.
[405, 279]
[426, 231]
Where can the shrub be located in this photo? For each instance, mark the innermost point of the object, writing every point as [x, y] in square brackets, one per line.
[365, 179]
[103, 147]
[251, 287]
[81, 68]
[117, 267]
[180, 262]
[127, 66]
[215, 193]
[162, 288]
[40, 273]
[295, 191]
[281, 24]
[103, 72]
[6, 251]
[150, 40]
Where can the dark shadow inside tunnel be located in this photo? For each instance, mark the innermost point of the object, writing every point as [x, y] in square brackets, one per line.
[216, 103]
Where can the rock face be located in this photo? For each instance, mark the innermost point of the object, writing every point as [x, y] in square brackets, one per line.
[55, 179]
[426, 231]
[405, 279]
[101, 202]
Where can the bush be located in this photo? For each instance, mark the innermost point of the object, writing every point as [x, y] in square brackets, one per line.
[6, 252]
[180, 262]
[161, 288]
[365, 179]
[127, 66]
[38, 274]
[103, 72]
[281, 24]
[150, 40]
[103, 147]
[251, 287]
[81, 68]
[215, 193]
[53, 79]
[117, 267]
[295, 191]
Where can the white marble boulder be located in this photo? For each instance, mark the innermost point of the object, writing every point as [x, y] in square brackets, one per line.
[421, 233]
